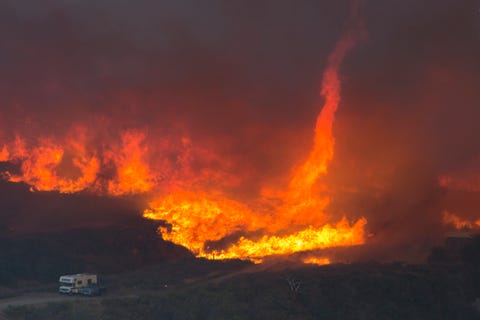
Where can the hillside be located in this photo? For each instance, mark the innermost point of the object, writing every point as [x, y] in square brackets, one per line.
[208, 290]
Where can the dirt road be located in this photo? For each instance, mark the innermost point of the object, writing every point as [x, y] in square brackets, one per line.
[38, 298]
[44, 298]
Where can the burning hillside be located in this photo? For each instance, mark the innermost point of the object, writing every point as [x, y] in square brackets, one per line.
[297, 221]
[276, 136]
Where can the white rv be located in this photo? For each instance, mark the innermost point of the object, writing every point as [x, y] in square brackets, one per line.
[74, 283]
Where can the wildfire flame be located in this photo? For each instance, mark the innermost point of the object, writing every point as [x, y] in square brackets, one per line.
[316, 260]
[204, 219]
[198, 219]
[297, 223]
[4, 154]
[40, 166]
[69, 166]
[458, 223]
[133, 172]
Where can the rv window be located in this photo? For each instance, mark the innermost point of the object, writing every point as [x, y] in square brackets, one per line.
[66, 284]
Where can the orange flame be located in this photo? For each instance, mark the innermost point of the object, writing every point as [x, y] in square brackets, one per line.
[201, 217]
[316, 260]
[311, 238]
[4, 154]
[296, 221]
[41, 165]
[69, 166]
[197, 218]
[322, 153]
[458, 223]
[133, 173]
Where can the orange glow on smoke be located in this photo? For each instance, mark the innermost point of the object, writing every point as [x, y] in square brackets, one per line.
[4, 154]
[468, 181]
[279, 222]
[458, 223]
[197, 211]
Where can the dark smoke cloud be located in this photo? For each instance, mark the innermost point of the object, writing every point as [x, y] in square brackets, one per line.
[225, 63]
[242, 78]
[245, 73]
[410, 114]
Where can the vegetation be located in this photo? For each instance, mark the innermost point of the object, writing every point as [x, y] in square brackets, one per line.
[188, 288]
[43, 257]
[356, 291]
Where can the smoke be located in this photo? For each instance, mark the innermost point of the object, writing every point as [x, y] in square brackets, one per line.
[230, 92]
[409, 116]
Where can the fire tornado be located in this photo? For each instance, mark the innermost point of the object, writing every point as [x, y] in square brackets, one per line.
[248, 131]
[297, 221]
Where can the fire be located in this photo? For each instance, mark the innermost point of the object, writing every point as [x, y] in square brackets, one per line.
[458, 223]
[41, 165]
[4, 154]
[69, 165]
[307, 174]
[311, 238]
[197, 219]
[316, 260]
[133, 172]
[187, 186]
[280, 222]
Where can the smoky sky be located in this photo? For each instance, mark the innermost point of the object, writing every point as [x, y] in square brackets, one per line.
[214, 64]
[243, 78]
[410, 113]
